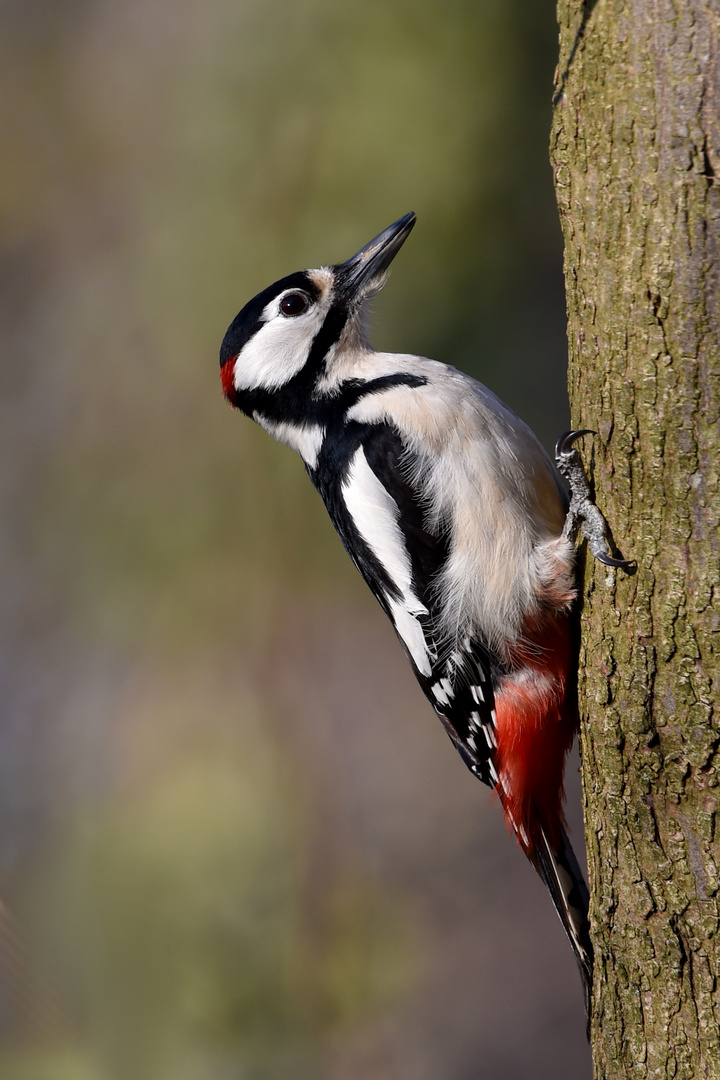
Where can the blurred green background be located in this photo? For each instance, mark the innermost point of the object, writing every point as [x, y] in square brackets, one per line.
[234, 841]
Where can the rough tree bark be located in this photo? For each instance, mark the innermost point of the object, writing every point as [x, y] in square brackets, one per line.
[636, 156]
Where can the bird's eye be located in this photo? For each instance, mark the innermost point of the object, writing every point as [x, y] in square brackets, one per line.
[295, 303]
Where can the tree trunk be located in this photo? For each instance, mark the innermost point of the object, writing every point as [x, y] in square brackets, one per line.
[636, 153]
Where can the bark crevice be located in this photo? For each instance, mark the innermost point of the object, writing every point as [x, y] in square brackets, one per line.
[635, 150]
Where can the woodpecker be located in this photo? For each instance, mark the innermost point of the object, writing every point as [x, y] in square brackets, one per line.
[458, 521]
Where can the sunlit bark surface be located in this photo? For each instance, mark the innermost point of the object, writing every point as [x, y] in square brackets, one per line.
[636, 155]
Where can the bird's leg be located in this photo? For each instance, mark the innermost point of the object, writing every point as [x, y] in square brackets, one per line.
[582, 510]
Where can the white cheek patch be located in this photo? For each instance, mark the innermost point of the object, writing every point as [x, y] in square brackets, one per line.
[279, 349]
[375, 514]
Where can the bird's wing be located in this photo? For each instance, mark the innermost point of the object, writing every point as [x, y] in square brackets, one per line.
[385, 527]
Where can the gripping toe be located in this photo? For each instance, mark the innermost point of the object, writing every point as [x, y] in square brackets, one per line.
[582, 511]
[608, 560]
[565, 442]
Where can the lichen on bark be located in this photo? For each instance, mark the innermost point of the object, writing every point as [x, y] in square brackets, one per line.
[636, 153]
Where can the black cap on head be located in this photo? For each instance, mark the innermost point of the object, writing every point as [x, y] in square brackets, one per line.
[367, 265]
[248, 321]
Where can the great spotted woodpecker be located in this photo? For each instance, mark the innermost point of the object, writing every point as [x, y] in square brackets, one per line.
[458, 521]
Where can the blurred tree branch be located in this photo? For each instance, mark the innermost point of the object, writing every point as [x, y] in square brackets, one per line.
[636, 154]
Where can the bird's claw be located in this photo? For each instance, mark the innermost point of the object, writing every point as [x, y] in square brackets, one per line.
[565, 442]
[608, 560]
[582, 510]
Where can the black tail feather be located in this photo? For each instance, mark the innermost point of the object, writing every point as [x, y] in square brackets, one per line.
[558, 868]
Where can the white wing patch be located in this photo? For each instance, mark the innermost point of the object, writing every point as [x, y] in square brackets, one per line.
[410, 630]
[442, 691]
[375, 514]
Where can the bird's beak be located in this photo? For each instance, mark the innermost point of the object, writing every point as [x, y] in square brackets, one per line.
[371, 261]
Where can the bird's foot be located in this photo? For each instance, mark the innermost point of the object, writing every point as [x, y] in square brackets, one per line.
[582, 510]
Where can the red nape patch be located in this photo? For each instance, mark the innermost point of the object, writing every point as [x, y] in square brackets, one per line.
[536, 718]
[227, 376]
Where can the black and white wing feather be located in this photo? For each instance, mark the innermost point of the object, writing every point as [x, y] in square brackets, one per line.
[385, 527]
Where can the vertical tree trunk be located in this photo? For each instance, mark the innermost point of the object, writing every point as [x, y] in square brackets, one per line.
[636, 154]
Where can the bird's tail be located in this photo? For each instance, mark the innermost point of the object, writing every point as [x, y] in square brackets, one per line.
[558, 867]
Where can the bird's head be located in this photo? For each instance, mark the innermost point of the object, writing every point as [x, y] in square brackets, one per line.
[285, 335]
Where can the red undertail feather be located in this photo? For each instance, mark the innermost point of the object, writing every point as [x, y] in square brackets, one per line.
[536, 718]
